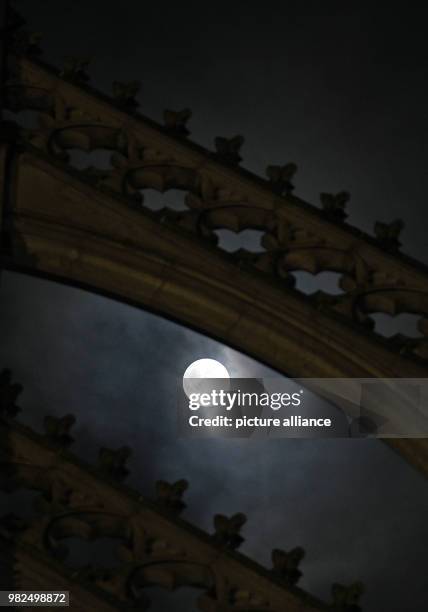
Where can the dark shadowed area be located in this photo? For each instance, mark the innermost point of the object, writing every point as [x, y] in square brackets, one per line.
[339, 89]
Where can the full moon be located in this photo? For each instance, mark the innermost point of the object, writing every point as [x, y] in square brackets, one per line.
[202, 368]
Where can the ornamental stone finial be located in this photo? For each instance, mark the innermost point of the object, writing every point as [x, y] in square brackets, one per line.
[285, 564]
[227, 529]
[169, 496]
[227, 149]
[347, 598]
[387, 234]
[280, 177]
[112, 463]
[124, 94]
[74, 69]
[334, 204]
[176, 121]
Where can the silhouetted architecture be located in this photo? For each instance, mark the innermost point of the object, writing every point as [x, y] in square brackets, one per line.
[91, 228]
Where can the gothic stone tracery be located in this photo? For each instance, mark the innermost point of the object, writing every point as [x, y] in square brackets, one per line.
[91, 227]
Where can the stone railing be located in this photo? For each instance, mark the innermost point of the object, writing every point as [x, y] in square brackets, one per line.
[374, 277]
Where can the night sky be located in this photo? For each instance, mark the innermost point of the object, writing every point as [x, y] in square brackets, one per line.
[338, 89]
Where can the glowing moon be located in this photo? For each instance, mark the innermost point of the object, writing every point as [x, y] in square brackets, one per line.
[202, 368]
